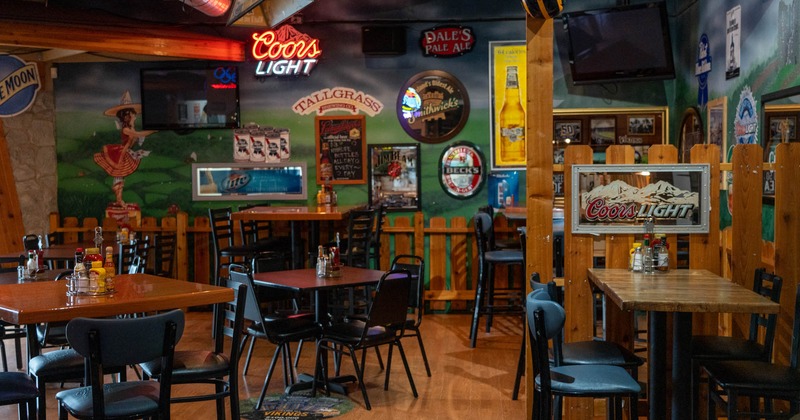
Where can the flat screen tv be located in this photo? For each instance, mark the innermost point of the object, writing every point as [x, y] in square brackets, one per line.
[190, 98]
[617, 44]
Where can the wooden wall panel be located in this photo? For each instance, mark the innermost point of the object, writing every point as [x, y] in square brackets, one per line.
[458, 261]
[438, 267]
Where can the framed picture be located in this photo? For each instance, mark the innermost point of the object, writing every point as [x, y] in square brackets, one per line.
[641, 124]
[507, 90]
[717, 122]
[782, 129]
[394, 179]
[603, 131]
[567, 132]
[249, 181]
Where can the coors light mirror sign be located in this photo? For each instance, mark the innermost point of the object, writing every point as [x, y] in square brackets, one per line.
[620, 198]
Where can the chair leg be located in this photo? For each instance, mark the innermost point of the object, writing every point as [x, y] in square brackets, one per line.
[360, 376]
[380, 359]
[388, 368]
[249, 353]
[473, 332]
[520, 370]
[408, 369]
[3, 355]
[489, 298]
[220, 402]
[424, 355]
[18, 350]
[41, 400]
[233, 387]
[297, 353]
[269, 376]
[557, 402]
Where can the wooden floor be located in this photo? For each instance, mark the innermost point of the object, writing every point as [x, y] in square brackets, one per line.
[465, 384]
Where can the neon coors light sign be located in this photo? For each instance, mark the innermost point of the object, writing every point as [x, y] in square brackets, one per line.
[285, 52]
[619, 198]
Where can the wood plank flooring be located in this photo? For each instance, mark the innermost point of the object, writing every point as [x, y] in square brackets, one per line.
[465, 383]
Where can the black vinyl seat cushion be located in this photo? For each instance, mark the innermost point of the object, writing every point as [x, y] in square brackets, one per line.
[585, 379]
[120, 398]
[508, 256]
[66, 363]
[755, 376]
[287, 329]
[191, 366]
[599, 353]
[16, 387]
[725, 348]
[350, 332]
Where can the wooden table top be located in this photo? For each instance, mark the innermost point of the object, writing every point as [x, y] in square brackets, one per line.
[47, 301]
[60, 252]
[295, 213]
[306, 279]
[42, 275]
[678, 291]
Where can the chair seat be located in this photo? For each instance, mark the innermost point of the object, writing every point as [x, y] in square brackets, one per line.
[597, 380]
[350, 333]
[239, 251]
[599, 353]
[121, 399]
[56, 334]
[707, 347]
[191, 366]
[16, 386]
[748, 375]
[288, 329]
[509, 244]
[66, 363]
[503, 256]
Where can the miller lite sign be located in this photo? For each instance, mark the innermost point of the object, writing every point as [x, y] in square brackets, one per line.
[620, 198]
[285, 52]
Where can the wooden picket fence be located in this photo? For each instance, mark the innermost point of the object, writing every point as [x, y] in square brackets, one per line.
[450, 258]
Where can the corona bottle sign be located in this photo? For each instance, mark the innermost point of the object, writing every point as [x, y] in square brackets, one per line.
[285, 52]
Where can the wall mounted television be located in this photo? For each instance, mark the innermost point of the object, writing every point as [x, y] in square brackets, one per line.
[190, 98]
[620, 44]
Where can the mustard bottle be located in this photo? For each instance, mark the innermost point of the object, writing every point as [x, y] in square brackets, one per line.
[97, 277]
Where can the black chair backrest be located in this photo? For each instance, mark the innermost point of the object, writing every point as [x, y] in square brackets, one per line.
[143, 248]
[389, 306]
[253, 231]
[416, 267]
[221, 227]
[126, 253]
[483, 227]
[31, 242]
[64, 274]
[240, 274]
[230, 323]
[165, 246]
[769, 286]
[551, 288]
[138, 265]
[545, 321]
[359, 235]
[488, 228]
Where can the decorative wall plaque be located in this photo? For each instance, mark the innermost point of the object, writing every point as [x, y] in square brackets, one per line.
[433, 106]
[461, 169]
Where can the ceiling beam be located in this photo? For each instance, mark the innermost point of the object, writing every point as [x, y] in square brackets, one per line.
[143, 41]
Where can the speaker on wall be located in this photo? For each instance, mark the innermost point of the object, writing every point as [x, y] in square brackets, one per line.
[383, 40]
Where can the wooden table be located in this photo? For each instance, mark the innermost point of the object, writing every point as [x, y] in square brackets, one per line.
[47, 301]
[681, 292]
[42, 275]
[292, 214]
[58, 252]
[306, 280]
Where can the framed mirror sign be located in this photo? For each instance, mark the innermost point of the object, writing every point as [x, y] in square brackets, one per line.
[620, 198]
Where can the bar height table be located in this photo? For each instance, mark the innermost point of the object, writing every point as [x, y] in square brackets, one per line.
[681, 292]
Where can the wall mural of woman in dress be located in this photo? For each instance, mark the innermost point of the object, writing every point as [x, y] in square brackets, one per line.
[120, 160]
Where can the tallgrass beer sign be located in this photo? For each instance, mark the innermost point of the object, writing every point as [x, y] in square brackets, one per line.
[620, 198]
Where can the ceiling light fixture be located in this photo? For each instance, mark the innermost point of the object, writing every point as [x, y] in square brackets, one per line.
[210, 7]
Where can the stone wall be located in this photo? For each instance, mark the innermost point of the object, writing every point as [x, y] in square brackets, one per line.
[32, 146]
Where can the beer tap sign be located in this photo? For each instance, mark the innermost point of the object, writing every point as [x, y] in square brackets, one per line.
[285, 52]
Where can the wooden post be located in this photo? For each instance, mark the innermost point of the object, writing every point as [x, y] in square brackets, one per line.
[787, 232]
[578, 258]
[11, 225]
[539, 147]
[746, 216]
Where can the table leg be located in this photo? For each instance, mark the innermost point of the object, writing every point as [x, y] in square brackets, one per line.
[293, 234]
[32, 343]
[656, 359]
[681, 365]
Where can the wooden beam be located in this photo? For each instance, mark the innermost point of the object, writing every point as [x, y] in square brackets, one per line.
[160, 42]
[11, 227]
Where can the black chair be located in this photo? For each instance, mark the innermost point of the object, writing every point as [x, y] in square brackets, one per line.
[143, 252]
[120, 342]
[214, 367]
[11, 332]
[538, 287]
[222, 240]
[164, 248]
[260, 235]
[53, 334]
[495, 243]
[416, 304]
[377, 233]
[716, 348]
[126, 253]
[18, 388]
[486, 295]
[355, 250]
[545, 322]
[278, 330]
[756, 380]
[384, 325]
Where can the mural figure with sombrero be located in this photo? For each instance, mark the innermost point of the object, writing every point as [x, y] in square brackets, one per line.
[120, 160]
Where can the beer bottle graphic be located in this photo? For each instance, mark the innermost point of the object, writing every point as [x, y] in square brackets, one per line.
[512, 121]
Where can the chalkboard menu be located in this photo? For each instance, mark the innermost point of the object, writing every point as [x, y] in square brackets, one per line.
[341, 149]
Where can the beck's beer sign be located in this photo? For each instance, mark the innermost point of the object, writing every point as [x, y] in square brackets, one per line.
[620, 198]
[285, 52]
[447, 41]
